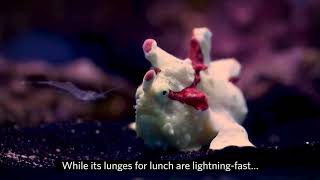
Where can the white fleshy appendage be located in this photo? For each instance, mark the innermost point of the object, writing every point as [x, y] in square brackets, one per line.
[185, 104]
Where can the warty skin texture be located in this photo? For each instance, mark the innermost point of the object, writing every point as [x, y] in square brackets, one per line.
[210, 112]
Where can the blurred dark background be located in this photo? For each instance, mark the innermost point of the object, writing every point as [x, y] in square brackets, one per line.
[97, 45]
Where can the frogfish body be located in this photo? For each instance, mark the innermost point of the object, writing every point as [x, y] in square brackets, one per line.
[184, 104]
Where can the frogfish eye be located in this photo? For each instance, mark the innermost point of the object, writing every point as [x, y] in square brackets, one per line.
[164, 92]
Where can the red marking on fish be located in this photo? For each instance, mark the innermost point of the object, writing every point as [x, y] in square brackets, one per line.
[191, 95]
[234, 80]
[147, 45]
[149, 75]
[195, 53]
[157, 70]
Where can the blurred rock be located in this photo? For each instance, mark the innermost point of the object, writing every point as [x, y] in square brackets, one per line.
[24, 104]
[298, 68]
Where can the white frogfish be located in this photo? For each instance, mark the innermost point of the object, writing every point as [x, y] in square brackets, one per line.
[187, 103]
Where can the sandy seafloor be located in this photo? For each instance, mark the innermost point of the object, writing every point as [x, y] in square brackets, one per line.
[37, 151]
